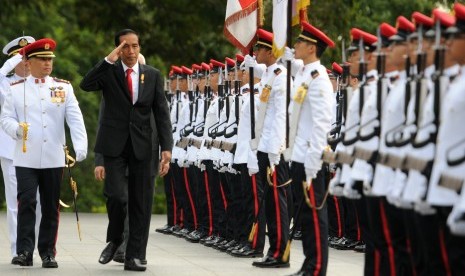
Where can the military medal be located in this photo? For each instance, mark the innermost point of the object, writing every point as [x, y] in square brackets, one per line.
[142, 76]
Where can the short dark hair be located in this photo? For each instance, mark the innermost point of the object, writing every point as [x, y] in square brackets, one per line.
[124, 32]
[320, 48]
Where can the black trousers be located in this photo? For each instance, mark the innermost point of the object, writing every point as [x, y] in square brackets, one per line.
[371, 256]
[48, 181]
[277, 218]
[179, 192]
[336, 213]
[137, 194]
[218, 209]
[168, 181]
[352, 228]
[235, 208]
[252, 195]
[314, 222]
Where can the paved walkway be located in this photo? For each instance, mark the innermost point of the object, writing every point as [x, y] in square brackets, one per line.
[166, 255]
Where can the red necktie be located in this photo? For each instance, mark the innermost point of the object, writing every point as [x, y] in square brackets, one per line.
[129, 80]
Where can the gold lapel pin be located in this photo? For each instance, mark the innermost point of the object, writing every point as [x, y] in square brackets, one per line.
[142, 76]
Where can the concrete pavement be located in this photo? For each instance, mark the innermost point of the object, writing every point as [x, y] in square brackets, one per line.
[166, 255]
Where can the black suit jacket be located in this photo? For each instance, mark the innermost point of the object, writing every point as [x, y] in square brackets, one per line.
[121, 119]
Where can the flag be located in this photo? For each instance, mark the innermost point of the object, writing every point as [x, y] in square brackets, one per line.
[279, 25]
[299, 11]
[241, 23]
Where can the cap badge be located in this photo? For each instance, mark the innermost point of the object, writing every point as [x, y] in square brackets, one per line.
[47, 46]
[22, 42]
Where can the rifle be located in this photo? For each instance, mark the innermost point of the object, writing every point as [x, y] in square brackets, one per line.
[188, 127]
[363, 82]
[237, 105]
[212, 131]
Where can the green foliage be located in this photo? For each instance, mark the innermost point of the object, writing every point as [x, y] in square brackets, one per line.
[171, 32]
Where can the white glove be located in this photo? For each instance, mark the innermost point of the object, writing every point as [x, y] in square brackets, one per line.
[311, 174]
[335, 186]
[10, 64]
[288, 54]
[367, 181]
[249, 62]
[398, 202]
[252, 163]
[19, 132]
[424, 208]
[81, 155]
[456, 221]
[274, 158]
[182, 163]
[350, 192]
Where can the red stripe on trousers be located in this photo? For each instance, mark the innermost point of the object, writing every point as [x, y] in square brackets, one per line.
[338, 214]
[194, 213]
[358, 226]
[175, 205]
[210, 217]
[225, 201]
[255, 199]
[278, 216]
[377, 260]
[409, 250]
[445, 257]
[316, 225]
[387, 236]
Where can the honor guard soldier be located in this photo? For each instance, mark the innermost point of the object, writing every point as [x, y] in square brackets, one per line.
[269, 144]
[20, 71]
[34, 115]
[310, 121]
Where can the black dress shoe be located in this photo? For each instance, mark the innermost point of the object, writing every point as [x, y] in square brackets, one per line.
[219, 244]
[195, 236]
[15, 260]
[24, 259]
[212, 241]
[49, 262]
[109, 252]
[345, 244]
[119, 256]
[134, 265]
[206, 238]
[143, 261]
[237, 246]
[227, 245]
[167, 229]
[182, 233]
[269, 261]
[247, 252]
[360, 247]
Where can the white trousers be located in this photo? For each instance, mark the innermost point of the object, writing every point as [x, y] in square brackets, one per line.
[11, 191]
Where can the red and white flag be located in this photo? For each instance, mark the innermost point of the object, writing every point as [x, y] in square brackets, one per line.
[241, 23]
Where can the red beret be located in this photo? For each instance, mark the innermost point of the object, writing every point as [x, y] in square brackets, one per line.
[386, 31]
[337, 68]
[312, 34]
[176, 69]
[265, 38]
[205, 66]
[230, 62]
[215, 63]
[41, 48]
[196, 67]
[368, 40]
[239, 58]
[186, 70]
[459, 10]
[420, 19]
[445, 18]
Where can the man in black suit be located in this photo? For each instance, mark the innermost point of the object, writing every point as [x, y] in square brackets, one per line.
[132, 92]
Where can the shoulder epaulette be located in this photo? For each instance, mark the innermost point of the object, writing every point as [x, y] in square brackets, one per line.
[16, 82]
[277, 71]
[315, 74]
[11, 74]
[61, 80]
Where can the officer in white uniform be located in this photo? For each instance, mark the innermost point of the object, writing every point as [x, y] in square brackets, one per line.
[313, 102]
[6, 142]
[34, 114]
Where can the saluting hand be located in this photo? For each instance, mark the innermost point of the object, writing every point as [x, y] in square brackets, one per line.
[116, 53]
